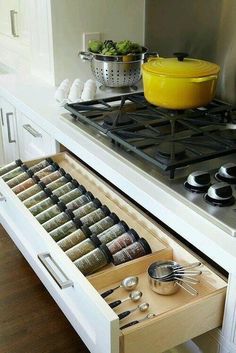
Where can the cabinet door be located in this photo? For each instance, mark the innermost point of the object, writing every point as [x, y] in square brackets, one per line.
[8, 13]
[33, 141]
[9, 132]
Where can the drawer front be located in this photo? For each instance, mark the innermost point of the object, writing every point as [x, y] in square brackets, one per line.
[93, 320]
[77, 296]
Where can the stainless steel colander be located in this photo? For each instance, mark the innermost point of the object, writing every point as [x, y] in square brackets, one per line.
[116, 71]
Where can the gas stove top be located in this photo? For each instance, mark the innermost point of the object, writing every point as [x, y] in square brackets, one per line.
[192, 152]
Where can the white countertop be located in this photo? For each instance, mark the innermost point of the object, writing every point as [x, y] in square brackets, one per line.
[35, 98]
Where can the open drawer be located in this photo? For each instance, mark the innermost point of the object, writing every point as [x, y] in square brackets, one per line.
[180, 316]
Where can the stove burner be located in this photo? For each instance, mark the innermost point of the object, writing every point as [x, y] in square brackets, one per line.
[170, 150]
[229, 134]
[115, 118]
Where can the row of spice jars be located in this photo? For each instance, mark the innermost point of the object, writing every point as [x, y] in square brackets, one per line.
[71, 215]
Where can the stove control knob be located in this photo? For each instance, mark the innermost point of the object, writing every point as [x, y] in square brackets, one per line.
[220, 194]
[227, 172]
[198, 181]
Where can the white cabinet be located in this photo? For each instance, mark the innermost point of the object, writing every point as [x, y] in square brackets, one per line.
[8, 17]
[9, 131]
[33, 141]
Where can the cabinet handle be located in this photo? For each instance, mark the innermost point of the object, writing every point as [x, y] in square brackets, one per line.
[10, 140]
[55, 271]
[32, 131]
[13, 14]
[2, 197]
[2, 117]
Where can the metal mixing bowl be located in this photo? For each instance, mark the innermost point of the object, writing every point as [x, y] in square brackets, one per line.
[118, 70]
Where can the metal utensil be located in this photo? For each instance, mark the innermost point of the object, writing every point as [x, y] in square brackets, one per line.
[149, 316]
[134, 297]
[141, 307]
[128, 283]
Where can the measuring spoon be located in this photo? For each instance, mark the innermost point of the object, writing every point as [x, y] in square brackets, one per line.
[141, 307]
[128, 283]
[134, 297]
[149, 316]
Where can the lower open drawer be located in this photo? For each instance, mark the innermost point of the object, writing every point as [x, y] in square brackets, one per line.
[180, 317]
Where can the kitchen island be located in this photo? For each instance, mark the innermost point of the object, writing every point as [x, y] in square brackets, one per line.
[35, 99]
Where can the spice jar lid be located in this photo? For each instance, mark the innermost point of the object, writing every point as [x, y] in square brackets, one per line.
[97, 203]
[18, 162]
[106, 252]
[62, 171]
[77, 222]
[61, 206]
[68, 176]
[124, 225]
[95, 240]
[55, 166]
[145, 245]
[75, 183]
[54, 198]
[24, 167]
[180, 66]
[134, 234]
[49, 160]
[90, 195]
[48, 192]
[70, 214]
[87, 232]
[105, 210]
[41, 184]
[36, 179]
[82, 188]
[114, 217]
[30, 173]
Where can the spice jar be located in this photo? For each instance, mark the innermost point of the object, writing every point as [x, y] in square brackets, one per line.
[20, 178]
[26, 184]
[133, 251]
[94, 260]
[82, 248]
[103, 224]
[60, 182]
[95, 216]
[58, 221]
[32, 190]
[123, 241]
[66, 229]
[73, 194]
[51, 212]
[41, 165]
[40, 196]
[87, 208]
[47, 170]
[62, 190]
[45, 204]
[47, 179]
[14, 173]
[74, 238]
[113, 232]
[9, 167]
[80, 202]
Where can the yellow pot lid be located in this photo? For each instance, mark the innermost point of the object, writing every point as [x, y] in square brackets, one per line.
[181, 66]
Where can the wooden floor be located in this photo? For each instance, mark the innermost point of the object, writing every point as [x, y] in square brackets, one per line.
[30, 321]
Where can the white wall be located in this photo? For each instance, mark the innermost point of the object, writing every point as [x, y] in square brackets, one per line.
[115, 19]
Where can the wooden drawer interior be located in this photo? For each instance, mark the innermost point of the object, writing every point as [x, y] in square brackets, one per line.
[180, 316]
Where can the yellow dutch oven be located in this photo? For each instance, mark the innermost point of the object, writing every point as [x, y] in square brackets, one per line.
[179, 83]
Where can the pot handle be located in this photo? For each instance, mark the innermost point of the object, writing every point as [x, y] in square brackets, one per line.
[204, 79]
[85, 55]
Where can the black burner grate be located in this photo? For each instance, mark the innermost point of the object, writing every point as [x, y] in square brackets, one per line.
[167, 139]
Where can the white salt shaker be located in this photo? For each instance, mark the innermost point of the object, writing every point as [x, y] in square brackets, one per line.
[89, 90]
[76, 90]
[62, 91]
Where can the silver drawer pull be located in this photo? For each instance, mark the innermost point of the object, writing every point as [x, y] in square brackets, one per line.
[55, 271]
[32, 131]
[13, 14]
[10, 140]
[2, 197]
